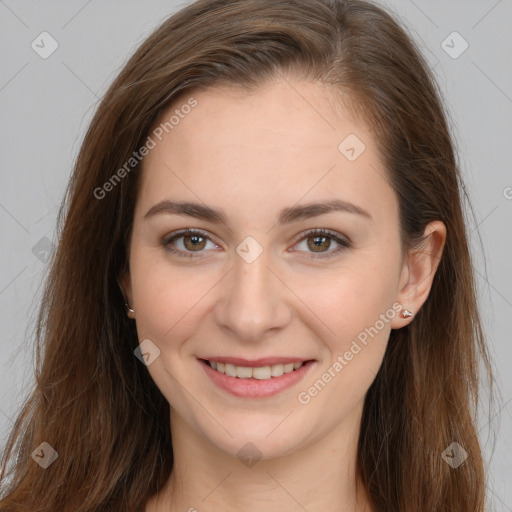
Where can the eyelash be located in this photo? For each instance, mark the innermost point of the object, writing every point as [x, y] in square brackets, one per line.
[343, 243]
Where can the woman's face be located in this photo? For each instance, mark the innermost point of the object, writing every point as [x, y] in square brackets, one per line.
[256, 288]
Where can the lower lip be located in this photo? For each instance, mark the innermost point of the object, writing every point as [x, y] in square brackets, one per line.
[255, 388]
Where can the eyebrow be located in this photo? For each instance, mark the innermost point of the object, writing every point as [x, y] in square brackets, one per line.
[286, 215]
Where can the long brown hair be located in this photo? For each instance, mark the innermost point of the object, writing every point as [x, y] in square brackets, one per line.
[96, 404]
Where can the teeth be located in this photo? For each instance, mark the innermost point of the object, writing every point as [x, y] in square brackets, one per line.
[243, 372]
[260, 373]
[230, 369]
[276, 370]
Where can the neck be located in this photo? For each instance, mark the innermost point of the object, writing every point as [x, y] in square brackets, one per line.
[319, 476]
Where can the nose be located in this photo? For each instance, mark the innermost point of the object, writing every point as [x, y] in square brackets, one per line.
[254, 300]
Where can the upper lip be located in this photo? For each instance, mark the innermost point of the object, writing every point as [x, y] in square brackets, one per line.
[255, 363]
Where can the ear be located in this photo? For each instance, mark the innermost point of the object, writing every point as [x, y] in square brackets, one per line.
[418, 271]
[125, 283]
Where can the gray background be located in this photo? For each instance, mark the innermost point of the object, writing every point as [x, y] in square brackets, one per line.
[47, 103]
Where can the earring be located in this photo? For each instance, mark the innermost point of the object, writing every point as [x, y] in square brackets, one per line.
[129, 310]
[405, 313]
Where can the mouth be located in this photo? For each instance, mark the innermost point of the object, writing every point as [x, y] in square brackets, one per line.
[255, 379]
[255, 372]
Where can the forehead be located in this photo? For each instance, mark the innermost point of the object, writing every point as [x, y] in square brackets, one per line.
[285, 140]
[268, 115]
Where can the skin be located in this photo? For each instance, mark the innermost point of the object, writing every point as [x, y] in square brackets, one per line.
[251, 156]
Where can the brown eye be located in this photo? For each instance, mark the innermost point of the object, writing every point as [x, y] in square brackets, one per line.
[188, 243]
[194, 242]
[319, 243]
[323, 243]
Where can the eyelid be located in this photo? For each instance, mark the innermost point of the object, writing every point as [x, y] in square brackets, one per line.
[183, 232]
[343, 241]
[186, 231]
[324, 231]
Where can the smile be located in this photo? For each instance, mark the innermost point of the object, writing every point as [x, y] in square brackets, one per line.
[258, 372]
[256, 380]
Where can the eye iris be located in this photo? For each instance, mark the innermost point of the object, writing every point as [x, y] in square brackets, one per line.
[320, 242]
[195, 242]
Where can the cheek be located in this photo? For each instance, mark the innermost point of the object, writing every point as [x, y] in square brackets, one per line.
[357, 306]
[353, 298]
[167, 296]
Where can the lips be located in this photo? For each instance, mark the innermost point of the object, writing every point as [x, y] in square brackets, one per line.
[257, 378]
[254, 372]
[254, 363]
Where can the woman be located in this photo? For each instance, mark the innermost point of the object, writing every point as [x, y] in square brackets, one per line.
[263, 296]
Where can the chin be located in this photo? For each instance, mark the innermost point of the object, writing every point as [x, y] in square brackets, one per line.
[260, 436]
